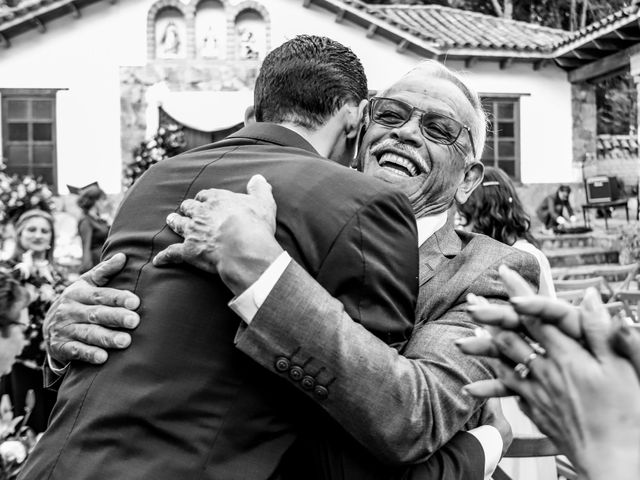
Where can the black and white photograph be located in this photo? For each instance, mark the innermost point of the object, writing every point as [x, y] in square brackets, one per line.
[319, 240]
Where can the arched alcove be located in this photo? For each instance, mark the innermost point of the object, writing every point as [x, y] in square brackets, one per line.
[170, 34]
[211, 29]
[167, 30]
[251, 29]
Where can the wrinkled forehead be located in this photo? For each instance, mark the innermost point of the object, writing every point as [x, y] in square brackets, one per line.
[429, 89]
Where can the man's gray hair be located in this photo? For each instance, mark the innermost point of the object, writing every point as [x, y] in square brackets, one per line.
[479, 128]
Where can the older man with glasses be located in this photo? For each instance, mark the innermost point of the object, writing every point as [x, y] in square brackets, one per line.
[401, 407]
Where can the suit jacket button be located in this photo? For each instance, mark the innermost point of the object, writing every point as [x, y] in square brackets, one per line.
[308, 382]
[282, 364]
[296, 373]
[321, 392]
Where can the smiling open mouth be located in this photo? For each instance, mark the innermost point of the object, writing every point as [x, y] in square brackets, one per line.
[398, 164]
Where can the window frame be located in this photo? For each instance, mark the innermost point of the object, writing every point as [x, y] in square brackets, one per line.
[493, 120]
[31, 94]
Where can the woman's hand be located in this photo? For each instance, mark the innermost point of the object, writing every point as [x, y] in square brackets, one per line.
[579, 392]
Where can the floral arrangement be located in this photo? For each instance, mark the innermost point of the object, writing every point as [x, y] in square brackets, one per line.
[16, 439]
[629, 244]
[21, 193]
[167, 142]
[44, 284]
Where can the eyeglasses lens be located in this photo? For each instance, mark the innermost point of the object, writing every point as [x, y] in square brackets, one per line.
[436, 127]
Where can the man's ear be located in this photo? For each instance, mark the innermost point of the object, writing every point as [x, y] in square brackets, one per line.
[473, 174]
[354, 119]
[250, 115]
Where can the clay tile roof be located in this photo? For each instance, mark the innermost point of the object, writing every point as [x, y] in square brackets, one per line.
[616, 19]
[25, 14]
[617, 145]
[451, 28]
[21, 9]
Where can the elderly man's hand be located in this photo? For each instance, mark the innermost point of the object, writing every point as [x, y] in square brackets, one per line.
[79, 325]
[492, 414]
[228, 233]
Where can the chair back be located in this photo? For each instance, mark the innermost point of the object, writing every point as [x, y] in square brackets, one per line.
[573, 290]
[574, 297]
[579, 284]
[626, 274]
[529, 446]
[631, 301]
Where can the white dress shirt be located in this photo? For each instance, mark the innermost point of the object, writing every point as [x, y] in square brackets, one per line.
[247, 304]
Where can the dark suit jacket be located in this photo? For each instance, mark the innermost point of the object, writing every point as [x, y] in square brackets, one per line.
[183, 403]
[403, 408]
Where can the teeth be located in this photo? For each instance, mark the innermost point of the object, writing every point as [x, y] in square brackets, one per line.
[399, 161]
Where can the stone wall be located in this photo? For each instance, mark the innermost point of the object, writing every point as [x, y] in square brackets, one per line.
[583, 108]
[179, 76]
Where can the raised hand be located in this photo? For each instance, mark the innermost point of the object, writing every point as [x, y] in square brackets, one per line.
[580, 393]
[524, 303]
[79, 325]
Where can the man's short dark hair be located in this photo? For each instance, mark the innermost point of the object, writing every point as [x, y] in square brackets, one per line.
[306, 80]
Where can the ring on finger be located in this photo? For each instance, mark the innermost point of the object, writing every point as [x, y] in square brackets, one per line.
[523, 369]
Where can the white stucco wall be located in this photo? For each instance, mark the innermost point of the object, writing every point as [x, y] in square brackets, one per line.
[83, 57]
[545, 116]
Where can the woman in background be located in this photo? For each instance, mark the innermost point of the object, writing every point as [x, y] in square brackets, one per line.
[556, 211]
[92, 227]
[14, 320]
[494, 209]
[32, 265]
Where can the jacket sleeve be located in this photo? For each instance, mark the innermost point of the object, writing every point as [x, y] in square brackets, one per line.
[401, 407]
[372, 267]
[462, 458]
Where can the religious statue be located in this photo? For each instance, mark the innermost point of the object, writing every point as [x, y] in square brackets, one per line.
[248, 50]
[210, 44]
[170, 41]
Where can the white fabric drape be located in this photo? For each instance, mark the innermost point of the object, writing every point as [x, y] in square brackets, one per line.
[207, 111]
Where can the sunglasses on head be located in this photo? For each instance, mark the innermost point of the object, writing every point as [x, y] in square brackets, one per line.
[434, 126]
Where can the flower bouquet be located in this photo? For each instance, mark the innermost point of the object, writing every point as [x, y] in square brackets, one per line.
[168, 141]
[16, 439]
[21, 193]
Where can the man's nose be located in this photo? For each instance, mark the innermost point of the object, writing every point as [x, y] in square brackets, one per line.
[409, 133]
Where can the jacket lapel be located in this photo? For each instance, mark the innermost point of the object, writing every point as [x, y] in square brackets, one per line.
[439, 247]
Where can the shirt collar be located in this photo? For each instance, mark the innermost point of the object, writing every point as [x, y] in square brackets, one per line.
[430, 224]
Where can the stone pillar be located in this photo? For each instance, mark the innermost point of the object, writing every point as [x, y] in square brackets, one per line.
[634, 66]
[583, 107]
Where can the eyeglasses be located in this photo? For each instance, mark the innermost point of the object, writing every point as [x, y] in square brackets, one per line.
[436, 127]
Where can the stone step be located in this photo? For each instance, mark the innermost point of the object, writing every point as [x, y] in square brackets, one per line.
[549, 242]
[580, 271]
[574, 256]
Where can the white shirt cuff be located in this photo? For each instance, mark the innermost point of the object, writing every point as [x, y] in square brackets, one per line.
[491, 442]
[247, 304]
[55, 366]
